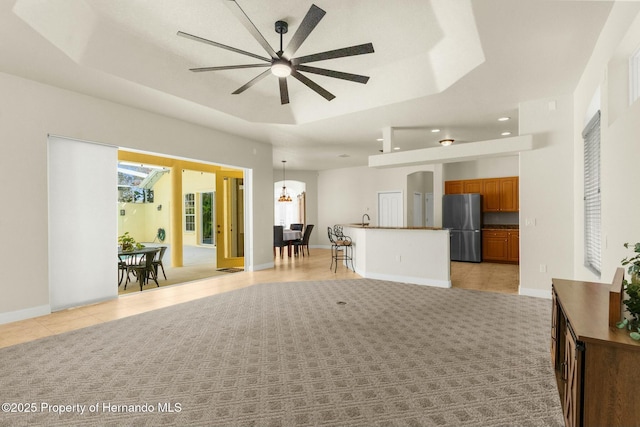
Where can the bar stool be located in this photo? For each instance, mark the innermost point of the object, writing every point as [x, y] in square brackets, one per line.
[341, 247]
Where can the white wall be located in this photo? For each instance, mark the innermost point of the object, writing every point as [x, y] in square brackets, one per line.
[546, 195]
[346, 194]
[493, 167]
[606, 76]
[29, 111]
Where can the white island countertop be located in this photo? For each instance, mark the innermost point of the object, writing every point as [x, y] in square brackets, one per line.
[418, 255]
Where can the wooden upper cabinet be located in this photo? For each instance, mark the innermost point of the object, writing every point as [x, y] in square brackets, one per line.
[491, 195]
[472, 186]
[498, 194]
[453, 187]
[509, 194]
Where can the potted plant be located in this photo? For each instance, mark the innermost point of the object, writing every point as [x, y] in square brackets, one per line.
[632, 290]
[128, 243]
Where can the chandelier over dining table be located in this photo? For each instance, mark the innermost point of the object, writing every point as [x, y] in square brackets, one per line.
[284, 195]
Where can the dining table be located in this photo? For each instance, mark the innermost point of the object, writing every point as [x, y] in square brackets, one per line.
[288, 236]
[134, 256]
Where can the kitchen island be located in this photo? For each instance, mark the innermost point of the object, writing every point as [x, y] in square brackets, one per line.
[418, 255]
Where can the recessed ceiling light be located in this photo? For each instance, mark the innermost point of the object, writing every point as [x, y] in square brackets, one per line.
[503, 119]
[505, 133]
[396, 148]
[380, 139]
[446, 142]
[344, 155]
[435, 130]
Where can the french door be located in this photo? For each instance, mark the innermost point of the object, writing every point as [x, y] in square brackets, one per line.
[229, 197]
[207, 218]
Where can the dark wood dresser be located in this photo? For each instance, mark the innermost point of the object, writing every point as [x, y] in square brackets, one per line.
[597, 366]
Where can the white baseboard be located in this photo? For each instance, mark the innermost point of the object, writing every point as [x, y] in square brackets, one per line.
[538, 293]
[265, 266]
[320, 246]
[27, 313]
[408, 279]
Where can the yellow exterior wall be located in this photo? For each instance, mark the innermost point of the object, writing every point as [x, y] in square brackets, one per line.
[142, 220]
[196, 182]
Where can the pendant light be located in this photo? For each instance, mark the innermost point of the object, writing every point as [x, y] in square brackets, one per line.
[284, 196]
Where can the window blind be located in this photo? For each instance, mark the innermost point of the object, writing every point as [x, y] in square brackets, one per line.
[592, 219]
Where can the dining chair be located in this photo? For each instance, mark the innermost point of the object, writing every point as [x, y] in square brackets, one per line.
[157, 261]
[304, 242]
[130, 261]
[143, 269]
[297, 227]
[122, 267]
[278, 239]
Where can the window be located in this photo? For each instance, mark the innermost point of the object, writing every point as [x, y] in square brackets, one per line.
[591, 136]
[190, 212]
[634, 77]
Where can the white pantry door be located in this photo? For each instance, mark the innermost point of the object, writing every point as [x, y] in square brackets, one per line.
[390, 211]
[429, 209]
[418, 217]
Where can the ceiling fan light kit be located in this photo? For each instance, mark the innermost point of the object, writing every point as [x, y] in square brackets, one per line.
[282, 63]
[281, 68]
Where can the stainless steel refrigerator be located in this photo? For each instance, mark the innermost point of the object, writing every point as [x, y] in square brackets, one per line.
[462, 216]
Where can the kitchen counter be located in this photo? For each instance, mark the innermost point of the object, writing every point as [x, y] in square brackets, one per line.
[373, 227]
[418, 255]
[501, 227]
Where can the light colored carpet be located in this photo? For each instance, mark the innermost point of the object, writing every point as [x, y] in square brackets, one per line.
[349, 353]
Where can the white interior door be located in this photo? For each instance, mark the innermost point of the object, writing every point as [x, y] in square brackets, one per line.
[429, 209]
[390, 210]
[418, 218]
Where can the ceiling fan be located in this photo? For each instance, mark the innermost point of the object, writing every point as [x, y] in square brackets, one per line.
[282, 63]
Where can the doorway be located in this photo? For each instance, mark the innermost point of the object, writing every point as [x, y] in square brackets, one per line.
[230, 216]
[390, 209]
[293, 212]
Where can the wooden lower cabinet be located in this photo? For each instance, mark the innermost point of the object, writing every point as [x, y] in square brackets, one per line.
[514, 246]
[501, 245]
[596, 366]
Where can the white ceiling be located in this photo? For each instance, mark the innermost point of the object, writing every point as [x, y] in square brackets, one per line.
[455, 65]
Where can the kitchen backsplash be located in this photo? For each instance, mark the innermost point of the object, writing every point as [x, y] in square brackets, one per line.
[489, 218]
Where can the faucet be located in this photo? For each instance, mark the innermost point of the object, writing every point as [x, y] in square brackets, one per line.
[363, 219]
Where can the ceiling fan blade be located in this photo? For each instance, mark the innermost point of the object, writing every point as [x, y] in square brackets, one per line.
[313, 86]
[311, 19]
[284, 91]
[252, 82]
[336, 74]
[338, 53]
[228, 67]
[244, 20]
[220, 45]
